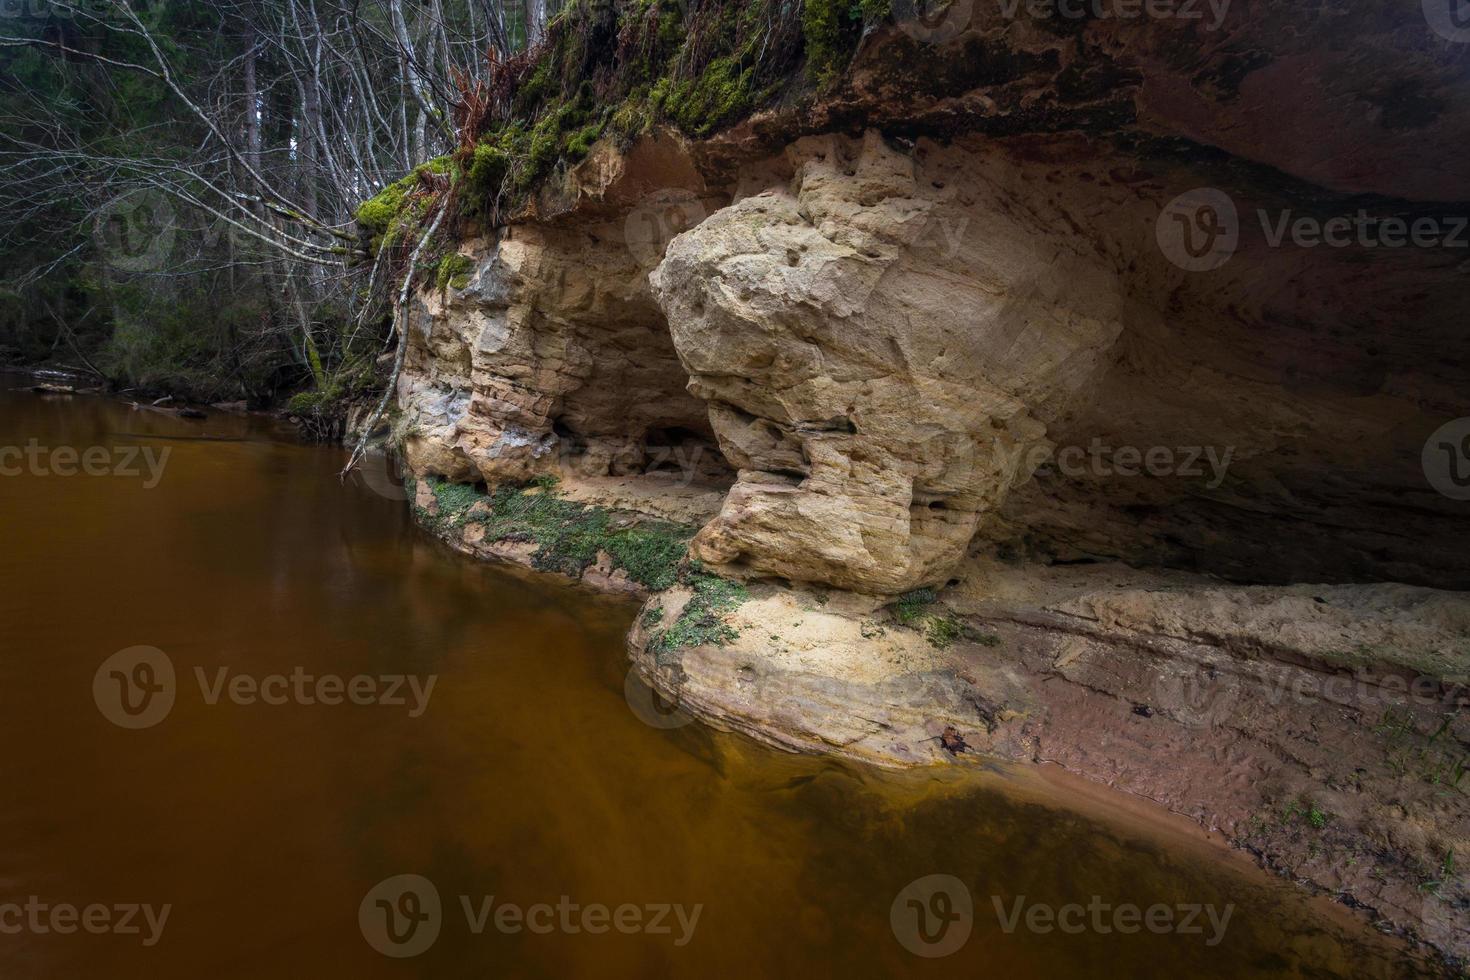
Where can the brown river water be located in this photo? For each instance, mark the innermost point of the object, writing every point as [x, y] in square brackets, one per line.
[265, 829]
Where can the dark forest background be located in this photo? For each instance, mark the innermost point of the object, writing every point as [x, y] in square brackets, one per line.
[178, 180]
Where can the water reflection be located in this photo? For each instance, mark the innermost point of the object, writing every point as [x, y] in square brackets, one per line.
[527, 782]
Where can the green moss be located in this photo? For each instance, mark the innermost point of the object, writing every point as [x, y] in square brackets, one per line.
[311, 402]
[721, 94]
[702, 621]
[453, 271]
[633, 116]
[568, 535]
[580, 142]
[485, 174]
[911, 605]
[541, 151]
[943, 631]
[615, 69]
[541, 85]
[650, 556]
[455, 499]
[438, 165]
[336, 387]
[377, 212]
[823, 23]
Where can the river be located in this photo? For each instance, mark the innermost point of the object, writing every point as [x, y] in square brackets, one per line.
[249, 810]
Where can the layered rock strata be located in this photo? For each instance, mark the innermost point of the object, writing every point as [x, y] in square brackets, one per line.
[1027, 314]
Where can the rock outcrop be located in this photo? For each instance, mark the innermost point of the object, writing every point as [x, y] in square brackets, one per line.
[550, 356]
[1050, 318]
[881, 345]
[1322, 728]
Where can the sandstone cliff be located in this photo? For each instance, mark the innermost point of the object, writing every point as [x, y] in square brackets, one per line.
[1022, 312]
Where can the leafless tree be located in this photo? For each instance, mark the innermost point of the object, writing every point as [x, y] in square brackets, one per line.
[319, 106]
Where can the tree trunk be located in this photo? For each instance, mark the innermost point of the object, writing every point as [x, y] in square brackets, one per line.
[535, 21]
[252, 109]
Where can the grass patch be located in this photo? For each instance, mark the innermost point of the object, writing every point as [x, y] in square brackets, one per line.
[1432, 757]
[702, 621]
[650, 557]
[568, 535]
[943, 631]
[1307, 810]
[455, 499]
[912, 605]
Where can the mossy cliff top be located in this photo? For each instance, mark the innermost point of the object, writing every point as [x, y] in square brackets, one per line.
[617, 68]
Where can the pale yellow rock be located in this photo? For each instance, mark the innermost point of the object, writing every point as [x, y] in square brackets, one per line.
[858, 333]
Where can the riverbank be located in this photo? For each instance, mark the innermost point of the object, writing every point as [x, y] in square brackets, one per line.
[1319, 729]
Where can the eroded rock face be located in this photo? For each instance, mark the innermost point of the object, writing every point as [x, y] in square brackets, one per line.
[551, 359]
[887, 333]
[962, 325]
[881, 344]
